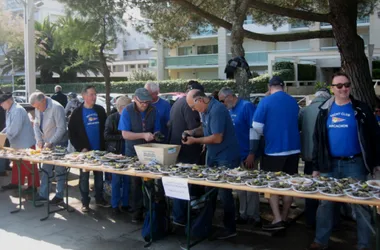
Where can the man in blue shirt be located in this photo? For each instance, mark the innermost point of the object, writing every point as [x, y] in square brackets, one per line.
[346, 144]
[241, 112]
[86, 132]
[138, 123]
[218, 133]
[276, 117]
[163, 107]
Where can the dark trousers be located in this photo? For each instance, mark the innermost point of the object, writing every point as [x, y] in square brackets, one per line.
[84, 186]
[311, 205]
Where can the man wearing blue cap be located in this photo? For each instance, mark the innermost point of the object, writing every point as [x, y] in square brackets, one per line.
[276, 117]
[138, 123]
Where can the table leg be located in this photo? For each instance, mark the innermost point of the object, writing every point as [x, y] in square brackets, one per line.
[70, 210]
[18, 163]
[377, 224]
[34, 188]
[149, 195]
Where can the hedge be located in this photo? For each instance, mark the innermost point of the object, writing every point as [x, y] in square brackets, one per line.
[257, 85]
[376, 64]
[376, 74]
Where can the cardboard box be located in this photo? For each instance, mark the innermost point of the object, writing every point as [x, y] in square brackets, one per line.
[3, 137]
[165, 154]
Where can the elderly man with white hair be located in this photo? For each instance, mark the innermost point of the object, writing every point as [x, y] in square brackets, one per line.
[161, 105]
[59, 96]
[50, 130]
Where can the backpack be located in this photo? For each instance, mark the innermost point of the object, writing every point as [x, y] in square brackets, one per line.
[160, 222]
[233, 64]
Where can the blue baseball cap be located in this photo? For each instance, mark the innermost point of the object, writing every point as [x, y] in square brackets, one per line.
[276, 80]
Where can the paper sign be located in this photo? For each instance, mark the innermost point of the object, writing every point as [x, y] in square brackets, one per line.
[176, 188]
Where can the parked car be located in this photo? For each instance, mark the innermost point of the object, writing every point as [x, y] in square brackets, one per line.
[256, 98]
[99, 100]
[171, 97]
[113, 96]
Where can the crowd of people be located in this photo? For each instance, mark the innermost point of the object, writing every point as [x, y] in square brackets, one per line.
[335, 136]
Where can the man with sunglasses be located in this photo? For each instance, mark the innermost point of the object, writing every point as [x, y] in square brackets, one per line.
[218, 134]
[242, 112]
[346, 144]
[138, 123]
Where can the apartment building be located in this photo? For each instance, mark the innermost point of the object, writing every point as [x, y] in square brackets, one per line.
[206, 54]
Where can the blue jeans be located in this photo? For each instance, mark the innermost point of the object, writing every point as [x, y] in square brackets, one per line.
[60, 176]
[325, 214]
[84, 186]
[117, 181]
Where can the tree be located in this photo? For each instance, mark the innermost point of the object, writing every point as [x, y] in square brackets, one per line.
[50, 58]
[341, 14]
[94, 31]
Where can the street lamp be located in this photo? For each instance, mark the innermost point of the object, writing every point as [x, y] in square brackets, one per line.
[29, 49]
[13, 76]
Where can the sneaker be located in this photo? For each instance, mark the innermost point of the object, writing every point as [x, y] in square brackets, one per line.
[222, 235]
[177, 223]
[316, 246]
[241, 221]
[254, 223]
[40, 198]
[103, 203]
[85, 208]
[56, 201]
[9, 186]
[126, 209]
[274, 226]
[137, 216]
[116, 211]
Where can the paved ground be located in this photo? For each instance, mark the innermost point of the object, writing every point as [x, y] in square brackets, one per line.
[99, 230]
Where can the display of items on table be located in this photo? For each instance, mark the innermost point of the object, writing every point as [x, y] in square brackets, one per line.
[361, 190]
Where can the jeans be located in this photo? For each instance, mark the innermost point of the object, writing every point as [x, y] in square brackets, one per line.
[353, 168]
[60, 176]
[311, 205]
[84, 186]
[3, 165]
[179, 208]
[117, 181]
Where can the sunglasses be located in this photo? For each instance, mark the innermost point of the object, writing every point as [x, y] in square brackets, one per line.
[340, 85]
[141, 102]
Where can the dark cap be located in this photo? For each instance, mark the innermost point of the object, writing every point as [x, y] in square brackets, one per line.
[195, 85]
[4, 97]
[276, 80]
[143, 95]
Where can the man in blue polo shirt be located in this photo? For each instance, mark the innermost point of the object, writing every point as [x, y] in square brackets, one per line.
[218, 133]
[276, 117]
[241, 112]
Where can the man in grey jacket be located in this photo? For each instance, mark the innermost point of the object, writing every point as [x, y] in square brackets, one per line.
[50, 130]
[306, 123]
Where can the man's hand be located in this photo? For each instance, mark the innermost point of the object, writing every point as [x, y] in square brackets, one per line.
[40, 144]
[190, 140]
[148, 137]
[376, 172]
[316, 173]
[249, 161]
[48, 145]
[84, 150]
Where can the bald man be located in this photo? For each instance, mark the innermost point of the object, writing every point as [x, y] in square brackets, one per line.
[218, 133]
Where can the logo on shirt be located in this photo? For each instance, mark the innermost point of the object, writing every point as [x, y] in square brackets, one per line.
[92, 119]
[337, 119]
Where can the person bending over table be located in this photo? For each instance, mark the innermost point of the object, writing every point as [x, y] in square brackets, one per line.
[86, 132]
[50, 130]
[218, 133]
[138, 122]
[20, 134]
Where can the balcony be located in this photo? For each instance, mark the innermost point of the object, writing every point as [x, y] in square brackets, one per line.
[256, 58]
[359, 21]
[201, 61]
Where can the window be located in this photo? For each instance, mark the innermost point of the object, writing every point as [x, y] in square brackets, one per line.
[144, 66]
[129, 53]
[139, 52]
[184, 51]
[125, 53]
[146, 52]
[207, 49]
[132, 66]
[118, 68]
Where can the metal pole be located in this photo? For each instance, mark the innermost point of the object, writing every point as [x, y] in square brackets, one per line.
[29, 50]
[13, 76]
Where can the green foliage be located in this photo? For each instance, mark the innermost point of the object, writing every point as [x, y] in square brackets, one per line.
[319, 85]
[376, 64]
[20, 80]
[283, 65]
[307, 72]
[376, 74]
[143, 75]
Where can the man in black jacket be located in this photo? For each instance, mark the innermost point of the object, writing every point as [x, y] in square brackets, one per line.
[86, 132]
[59, 96]
[346, 144]
[116, 144]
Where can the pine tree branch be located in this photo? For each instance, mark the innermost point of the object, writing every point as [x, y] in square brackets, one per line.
[253, 35]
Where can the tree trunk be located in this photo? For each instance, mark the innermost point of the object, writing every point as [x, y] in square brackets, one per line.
[238, 10]
[107, 79]
[351, 48]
